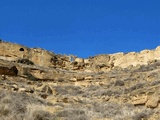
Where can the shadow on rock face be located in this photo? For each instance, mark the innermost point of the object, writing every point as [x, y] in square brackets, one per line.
[13, 71]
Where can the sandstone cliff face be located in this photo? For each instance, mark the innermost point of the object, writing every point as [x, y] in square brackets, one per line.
[14, 52]
[60, 87]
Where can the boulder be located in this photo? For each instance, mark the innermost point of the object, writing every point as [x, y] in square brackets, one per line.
[152, 101]
[72, 79]
[89, 78]
[140, 100]
[80, 78]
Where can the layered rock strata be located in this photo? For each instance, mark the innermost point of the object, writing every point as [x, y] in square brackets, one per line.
[39, 84]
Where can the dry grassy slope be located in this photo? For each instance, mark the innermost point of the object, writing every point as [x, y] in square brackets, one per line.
[90, 89]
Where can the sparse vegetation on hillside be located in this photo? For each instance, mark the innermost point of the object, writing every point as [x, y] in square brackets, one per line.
[53, 87]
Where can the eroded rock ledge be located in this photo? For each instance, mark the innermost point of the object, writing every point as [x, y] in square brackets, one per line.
[38, 84]
[104, 62]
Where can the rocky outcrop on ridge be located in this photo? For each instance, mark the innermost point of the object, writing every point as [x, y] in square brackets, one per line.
[36, 84]
[104, 62]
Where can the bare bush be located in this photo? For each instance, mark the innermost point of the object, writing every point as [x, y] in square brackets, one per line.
[72, 113]
[14, 106]
[70, 90]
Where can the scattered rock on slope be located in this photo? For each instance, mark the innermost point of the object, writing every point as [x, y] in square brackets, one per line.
[40, 84]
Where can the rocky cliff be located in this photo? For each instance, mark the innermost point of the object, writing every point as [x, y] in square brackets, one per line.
[36, 84]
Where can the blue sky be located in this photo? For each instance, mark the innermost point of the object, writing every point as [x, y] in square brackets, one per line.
[82, 27]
